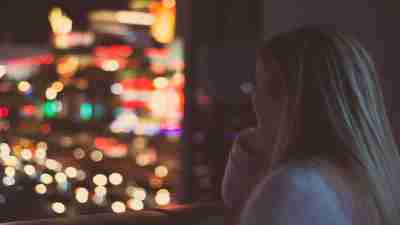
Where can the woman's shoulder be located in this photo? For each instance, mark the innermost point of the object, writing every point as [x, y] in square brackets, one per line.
[298, 193]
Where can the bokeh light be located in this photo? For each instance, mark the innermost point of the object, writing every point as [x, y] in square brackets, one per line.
[135, 204]
[58, 207]
[100, 180]
[163, 197]
[41, 189]
[161, 171]
[118, 207]
[116, 179]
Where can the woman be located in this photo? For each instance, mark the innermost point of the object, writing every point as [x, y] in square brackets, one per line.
[323, 151]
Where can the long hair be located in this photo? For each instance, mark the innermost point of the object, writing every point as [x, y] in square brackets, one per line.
[334, 110]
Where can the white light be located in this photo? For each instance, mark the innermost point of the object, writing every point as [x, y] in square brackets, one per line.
[116, 179]
[58, 207]
[117, 89]
[41, 189]
[96, 156]
[8, 181]
[100, 191]
[5, 150]
[30, 170]
[135, 204]
[82, 195]
[26, 154]
[51, 94]
[11, 161]
[163, 197]
[118, 207]
[9, 171]
[100, 180]
[3, 71]
[71, 172]
[161, 171]
[60, 177]
[46, 178]
[52, 164]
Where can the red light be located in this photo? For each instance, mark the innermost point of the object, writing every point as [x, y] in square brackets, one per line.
[137, 84]
[35, 60]
[4, 112]
[28, 110]
[114, 51]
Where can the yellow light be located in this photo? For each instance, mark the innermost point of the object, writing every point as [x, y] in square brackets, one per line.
[160, 82]
[143, 159]
[60, 23]
[82, 195]
[41, 189]
[26, 154]
[51, 94]
[71, 172]
[81, 175]
[135, 204]
[135, 18]
[163, 197]
[3, 71]
[100, 191]
[100, 180]
[110, 65]
[118, 207]
[79, 153]
[52, 164]
[139, 194]
[68, 66]
[46, 178]
[116, 179]
[30, 170]
[161, 171]
[60, 177]
[57, 86]
[163, 28]
[11, 161]
[169, 3]
[24, 86]
[8, 181]
[58, 207]
[96, 156]
[9, 171]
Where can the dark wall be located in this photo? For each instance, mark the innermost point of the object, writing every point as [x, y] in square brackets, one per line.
[374, 22]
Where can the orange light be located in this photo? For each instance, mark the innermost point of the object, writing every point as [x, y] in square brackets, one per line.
[163, 29]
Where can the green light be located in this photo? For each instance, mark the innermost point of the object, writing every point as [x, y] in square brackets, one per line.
[86, 111]
[50, 109]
